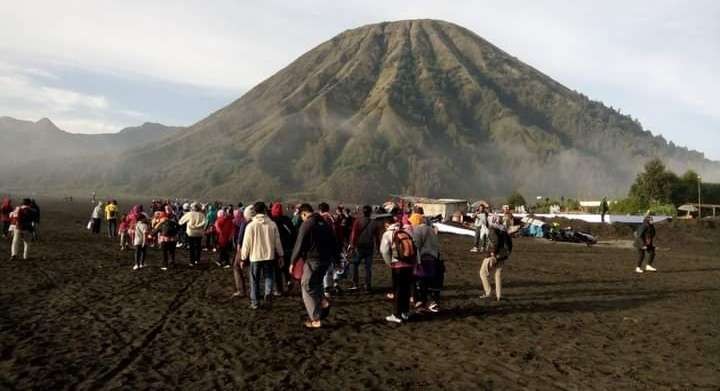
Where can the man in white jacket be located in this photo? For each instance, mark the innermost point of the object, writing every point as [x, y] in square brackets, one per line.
[261, 245]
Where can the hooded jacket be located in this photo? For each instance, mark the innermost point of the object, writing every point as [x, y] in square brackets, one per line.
[225, 230]
[261, 241]
[194, 222]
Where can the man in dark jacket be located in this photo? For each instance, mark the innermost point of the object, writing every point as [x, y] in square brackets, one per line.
[317, 247]
[287, 238]
[645, 243]
[363, 240]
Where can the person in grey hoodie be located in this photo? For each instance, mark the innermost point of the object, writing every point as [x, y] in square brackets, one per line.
[430, 273]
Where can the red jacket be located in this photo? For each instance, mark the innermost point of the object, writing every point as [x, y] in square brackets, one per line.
[225, 230]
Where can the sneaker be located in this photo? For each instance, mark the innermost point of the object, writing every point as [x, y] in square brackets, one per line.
[237, 294]
[179, 245]
[474, 250]
[393, 318]
[405, 316]
[226, 266]
[353, 288]
[649, 268]
[638, 270]
[191, 264]
[218, 263]
[434, 307]
[253, 306]
[135, 267]
[163, 268]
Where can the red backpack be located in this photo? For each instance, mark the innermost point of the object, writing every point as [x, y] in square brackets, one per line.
[403, 247]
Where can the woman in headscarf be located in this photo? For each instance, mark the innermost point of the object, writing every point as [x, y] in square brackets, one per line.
[224, 232]
[166, 230]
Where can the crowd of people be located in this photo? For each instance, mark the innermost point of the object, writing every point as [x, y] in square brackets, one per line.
[275, 251]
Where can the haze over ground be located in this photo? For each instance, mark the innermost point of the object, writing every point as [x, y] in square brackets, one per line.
[176, 64]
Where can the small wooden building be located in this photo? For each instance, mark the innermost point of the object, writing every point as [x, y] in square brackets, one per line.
[445, 207]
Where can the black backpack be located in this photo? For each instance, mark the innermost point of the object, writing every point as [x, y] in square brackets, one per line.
[169, 228]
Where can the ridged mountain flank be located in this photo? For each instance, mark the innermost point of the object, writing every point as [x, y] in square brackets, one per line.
[419, 106]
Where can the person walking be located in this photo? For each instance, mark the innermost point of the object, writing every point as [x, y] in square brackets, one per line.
[36, 220]
[111, 212]
[330, 282]
[481, 229]
[363, 240]
[399, 252]
[239, 264]
[499, 249]
[262, 246]
[123, 232]
[431, 269]
[194, 222]
[645, 244]
[141, 233]
[225, 232]
[166, 230]
[315, 249]
[287, 238]
[22, 221]
[97, 215]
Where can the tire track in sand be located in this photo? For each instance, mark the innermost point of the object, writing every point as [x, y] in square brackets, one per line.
[178, 301]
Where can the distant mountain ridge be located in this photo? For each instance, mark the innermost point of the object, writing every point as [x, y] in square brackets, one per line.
[421, 107]
[29, 141]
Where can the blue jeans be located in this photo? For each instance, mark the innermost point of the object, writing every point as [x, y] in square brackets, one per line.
[260, 269]
[365, 257]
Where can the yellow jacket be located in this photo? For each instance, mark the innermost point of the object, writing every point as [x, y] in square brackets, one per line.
[111, 211]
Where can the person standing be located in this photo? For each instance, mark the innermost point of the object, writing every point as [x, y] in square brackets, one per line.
[111, 212]
[262, 246]
[499, 250]
[239, 264]
[330, 283]
[399, 252]
[363, 240]
[36, 220]
[194, 222]
[481, 229]
[645, 244]
[97, 215]
[604, 208]
[141, 232]
[22, 219]
[315, 249]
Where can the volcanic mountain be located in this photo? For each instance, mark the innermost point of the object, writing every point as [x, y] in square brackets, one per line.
[419, 106]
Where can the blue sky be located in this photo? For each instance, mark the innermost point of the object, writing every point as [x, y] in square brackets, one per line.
[98, 66]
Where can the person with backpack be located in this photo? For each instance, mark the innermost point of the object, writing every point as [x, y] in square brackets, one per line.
[22, 220]
[287, 238]
[399, 252]
[194, 222]
[5, 209]
[645, 244]
[430, 270]
[96, 217]
[140, 241]
[363, 240]
[499, 249]
[262, 247]
[111, 212]
[166, 230]
[225, 232]
[315, 249]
